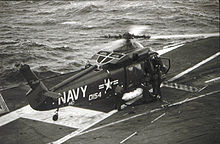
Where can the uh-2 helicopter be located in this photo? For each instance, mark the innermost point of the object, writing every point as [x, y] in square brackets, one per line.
[122, 66]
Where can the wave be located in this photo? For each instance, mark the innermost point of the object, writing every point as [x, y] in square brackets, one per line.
[75, 64]
[24, 43]
[45, 12]
[55, 3]
[48, 22]
[10, 59]
[82, 10]
[6, 28]
[10, 76]
[80, 25]
[8, 42]
[63, 49]
[43, 68]
[5, 55]
[72, 23]
[43, 22]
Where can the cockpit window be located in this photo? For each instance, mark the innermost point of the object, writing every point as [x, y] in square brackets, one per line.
[100, 59]
[116, 51]
[116, 55]
[103, 53]
[107, 60]
[104, 57]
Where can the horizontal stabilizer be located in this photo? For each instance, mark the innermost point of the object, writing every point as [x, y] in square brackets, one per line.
[52, 94]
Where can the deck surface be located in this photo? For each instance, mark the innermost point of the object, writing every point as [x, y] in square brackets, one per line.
[194, 120]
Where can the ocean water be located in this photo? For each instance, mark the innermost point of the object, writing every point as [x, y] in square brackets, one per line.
[60, 36]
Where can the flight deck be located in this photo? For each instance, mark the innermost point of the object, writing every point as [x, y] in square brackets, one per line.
[188, 113]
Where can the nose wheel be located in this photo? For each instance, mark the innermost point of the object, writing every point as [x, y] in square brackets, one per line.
[55, 116]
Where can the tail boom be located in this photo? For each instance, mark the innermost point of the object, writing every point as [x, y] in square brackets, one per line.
[39, 97]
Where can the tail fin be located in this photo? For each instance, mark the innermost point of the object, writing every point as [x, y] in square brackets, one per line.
[39, 97]
[30, 76]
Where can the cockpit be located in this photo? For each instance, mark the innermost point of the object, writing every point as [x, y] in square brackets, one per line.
[116, 51]
[104, 57]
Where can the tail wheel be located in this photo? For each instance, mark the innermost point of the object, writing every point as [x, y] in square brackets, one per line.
[55, 117]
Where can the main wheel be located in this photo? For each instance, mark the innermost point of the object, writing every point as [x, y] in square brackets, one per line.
[55, 117]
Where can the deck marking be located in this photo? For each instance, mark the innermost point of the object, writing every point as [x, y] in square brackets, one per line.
[77, 132]
[203, 88]
[68, 116]
[180, 87]
[194, 67]
[128, 137]
[194, 98]
[3, 106]
[158, 118]
[151, 111]
[166, 50]
[212, 80]
[11, 116]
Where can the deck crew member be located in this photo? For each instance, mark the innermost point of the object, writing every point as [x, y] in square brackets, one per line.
[118, 97]
[153, 68]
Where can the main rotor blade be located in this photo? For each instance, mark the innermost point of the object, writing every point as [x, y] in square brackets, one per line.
[138, 29]
[110, 46]
[114, 44]
[183, 36]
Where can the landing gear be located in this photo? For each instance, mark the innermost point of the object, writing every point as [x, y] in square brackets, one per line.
[118, 97]
[55, 117]
[118, 106]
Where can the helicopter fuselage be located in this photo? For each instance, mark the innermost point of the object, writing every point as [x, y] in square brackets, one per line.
[91, 83]
[119, 65]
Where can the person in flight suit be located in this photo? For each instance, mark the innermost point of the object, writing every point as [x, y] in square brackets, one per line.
[118, 97]
[154, 68]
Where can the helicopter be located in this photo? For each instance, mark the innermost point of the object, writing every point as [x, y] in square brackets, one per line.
[120, 65]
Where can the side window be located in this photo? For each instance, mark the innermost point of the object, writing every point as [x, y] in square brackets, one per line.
[135, 74]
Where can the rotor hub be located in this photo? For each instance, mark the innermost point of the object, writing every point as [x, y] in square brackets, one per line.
[128, 36]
